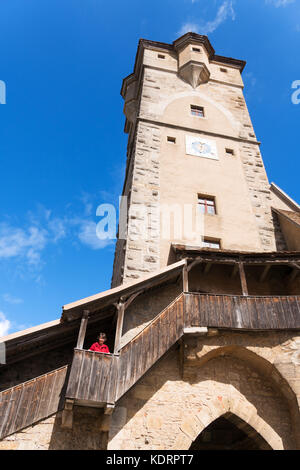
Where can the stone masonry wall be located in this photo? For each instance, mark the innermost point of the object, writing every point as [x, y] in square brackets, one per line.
[86, 434]
[168, 409]
[142, 246]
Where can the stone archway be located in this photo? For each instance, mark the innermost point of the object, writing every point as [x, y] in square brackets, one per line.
[194, 424]
[229, 433]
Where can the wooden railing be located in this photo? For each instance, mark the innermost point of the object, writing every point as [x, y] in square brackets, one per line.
[243, 312]
[104, 378]
[31, 401]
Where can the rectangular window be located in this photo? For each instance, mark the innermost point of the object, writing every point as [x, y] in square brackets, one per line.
[172, 140]
[208, 243]
[197, 110]
[223, 70]
[161, 56]
[196, 49]
[229, 152]
[207, 205]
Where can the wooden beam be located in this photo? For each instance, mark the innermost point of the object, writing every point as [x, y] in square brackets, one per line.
[109, 408]
[82, 330]
[265, 273]
[185, 278]
[235, 270]
[193, 263]
[120, 320]
[207, 268]
[131, 299]
[67, 414]
[243, 278]
[293, 275]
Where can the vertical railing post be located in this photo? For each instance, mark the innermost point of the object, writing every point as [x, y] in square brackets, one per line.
[82, 331]
[243, 278]
[120, 320]
[185, 278]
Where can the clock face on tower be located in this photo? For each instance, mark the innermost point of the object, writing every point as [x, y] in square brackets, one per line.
[201, 147]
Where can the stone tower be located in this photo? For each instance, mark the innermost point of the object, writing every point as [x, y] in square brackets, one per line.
[191, 141]
[203, 330]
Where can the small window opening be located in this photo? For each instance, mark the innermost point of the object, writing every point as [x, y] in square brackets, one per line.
[229, 152]
[223, 70]
[209, 243]
[197, 111]
[196, 49]
[161, 56]
[207, 205]
[172, 140]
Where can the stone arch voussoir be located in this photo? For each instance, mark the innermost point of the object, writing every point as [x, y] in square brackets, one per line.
[193, 424]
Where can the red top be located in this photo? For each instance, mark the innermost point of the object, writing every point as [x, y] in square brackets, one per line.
[99, 348]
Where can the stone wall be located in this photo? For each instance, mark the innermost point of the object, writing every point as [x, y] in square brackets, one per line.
[169, 407]
[48, 434]
[142, 245]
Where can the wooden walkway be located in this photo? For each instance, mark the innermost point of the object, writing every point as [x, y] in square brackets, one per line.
[31, 401]
[97, 379]
[105, 378]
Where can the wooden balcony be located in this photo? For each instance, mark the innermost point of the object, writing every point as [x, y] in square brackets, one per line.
[243, 312]
[97, 379]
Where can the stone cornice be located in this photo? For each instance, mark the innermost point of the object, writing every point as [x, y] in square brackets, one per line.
[175, 46]
[188, 129]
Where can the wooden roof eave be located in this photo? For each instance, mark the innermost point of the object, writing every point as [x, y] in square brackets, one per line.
[104, 299]
[232, 257]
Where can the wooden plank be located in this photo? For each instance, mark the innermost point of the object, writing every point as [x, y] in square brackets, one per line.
[24, 407]
[293, 314]
[11, 412]
[93, 378]
[60, 383]
[35, 399]
[74, 374]
[119, 329]
[84, 381]
[82, 330]
[5, 399]
[243, 279]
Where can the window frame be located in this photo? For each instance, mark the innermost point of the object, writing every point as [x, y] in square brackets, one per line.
[206, 203]
[197, 111]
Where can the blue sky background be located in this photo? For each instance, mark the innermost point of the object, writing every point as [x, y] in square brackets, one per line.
[62, 145]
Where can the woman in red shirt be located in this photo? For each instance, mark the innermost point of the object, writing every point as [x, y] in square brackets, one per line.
[100, 346]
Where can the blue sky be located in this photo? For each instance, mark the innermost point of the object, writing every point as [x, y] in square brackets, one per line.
[62, 145]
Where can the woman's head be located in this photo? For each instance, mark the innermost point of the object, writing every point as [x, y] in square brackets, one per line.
[102, 338]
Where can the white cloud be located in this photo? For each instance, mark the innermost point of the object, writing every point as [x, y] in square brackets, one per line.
[4, 325]
[280, 3]
[11, 299]
[224, 12]
[16, 242]
[87, 235]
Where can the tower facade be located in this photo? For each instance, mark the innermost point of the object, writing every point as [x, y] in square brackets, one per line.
[191, 143]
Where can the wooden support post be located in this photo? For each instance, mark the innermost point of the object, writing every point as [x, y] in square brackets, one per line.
[120, 320]
[265, 273]
[207, 268]
[82, 331]
[243, 278]
[67, 414]
[185, 278]
[234, 271]
[293, 275]
[109, 408]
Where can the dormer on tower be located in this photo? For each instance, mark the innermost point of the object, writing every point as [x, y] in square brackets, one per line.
[193, 60]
